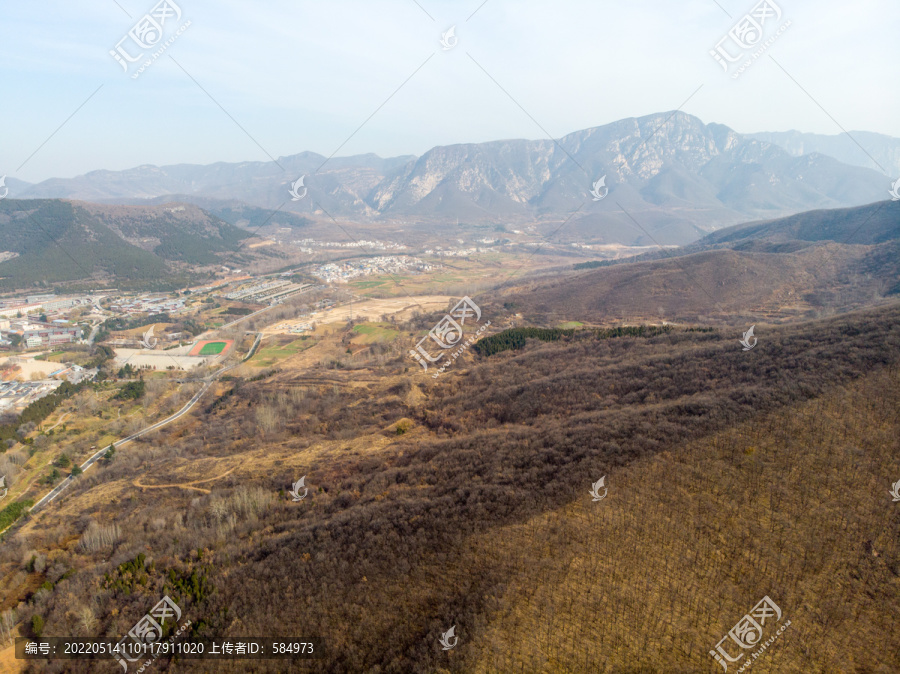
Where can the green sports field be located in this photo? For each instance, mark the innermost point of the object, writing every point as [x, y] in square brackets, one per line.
[212, 348]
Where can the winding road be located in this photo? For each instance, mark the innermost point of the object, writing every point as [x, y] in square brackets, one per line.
[244, 318]
[134, 436]
[207, 382]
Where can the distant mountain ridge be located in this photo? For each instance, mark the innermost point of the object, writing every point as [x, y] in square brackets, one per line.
[677, 177]
[794, 267]
[858, 148]
[867, 225]
[164, 246]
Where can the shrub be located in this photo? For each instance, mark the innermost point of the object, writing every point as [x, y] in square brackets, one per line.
[13, 511]
[131, 391]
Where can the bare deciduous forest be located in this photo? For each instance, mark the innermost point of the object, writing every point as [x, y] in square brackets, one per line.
[464, 501]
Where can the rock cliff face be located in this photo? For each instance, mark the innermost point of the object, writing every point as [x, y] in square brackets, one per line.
[680, 174]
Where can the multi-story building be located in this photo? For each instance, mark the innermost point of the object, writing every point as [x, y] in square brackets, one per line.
[38, 299]
[49, 335]
[60, 304]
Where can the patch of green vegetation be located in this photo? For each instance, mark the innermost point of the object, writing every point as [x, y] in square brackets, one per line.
[268, 356]
[212, 348]
[515, 338]
[102, 354]
[127, 371]
[195, 585]
[131, 391]
[128, 575]
[237, 311]
[568, 325]
[593, 264]
[371, 333]
[55, 357]
[123, 323]
[14, 511]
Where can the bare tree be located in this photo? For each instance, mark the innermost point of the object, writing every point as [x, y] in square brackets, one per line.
[266, 419]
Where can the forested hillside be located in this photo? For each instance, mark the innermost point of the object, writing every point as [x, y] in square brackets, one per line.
[464, 501]
[147, 247]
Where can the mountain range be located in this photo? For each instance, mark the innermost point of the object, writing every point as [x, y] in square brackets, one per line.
[671, 179]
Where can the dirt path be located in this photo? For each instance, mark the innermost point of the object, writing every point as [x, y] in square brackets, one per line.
[61, 419]
[185, 485]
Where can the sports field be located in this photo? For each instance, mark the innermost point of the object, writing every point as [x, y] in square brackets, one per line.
[210, 347]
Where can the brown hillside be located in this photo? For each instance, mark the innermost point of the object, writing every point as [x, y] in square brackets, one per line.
[716, 284]
[732, 475]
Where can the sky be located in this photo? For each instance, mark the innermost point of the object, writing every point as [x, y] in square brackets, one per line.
[253, 81]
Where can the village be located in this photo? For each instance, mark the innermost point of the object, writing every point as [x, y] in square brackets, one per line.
[49, 339]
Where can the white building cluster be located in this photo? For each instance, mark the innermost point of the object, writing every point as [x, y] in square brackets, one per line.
[272, 291]
[37, 334]
[454, 252]
[31, 304]
[152, 306]
[308, 244]
[343, 272]
[16, 395]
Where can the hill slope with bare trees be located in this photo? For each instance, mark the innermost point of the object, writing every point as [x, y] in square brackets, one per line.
[464, 501]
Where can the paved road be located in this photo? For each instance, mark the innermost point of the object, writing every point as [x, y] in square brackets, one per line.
[159, 424]
[244, 318]
[93, 334]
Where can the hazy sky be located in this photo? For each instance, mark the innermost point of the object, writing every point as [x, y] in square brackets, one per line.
[305, 75]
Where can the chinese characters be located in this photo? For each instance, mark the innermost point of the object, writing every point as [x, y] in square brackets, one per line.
[448, 333]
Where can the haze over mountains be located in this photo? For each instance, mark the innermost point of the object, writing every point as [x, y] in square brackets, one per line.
[55, 241]
[797, 267]
[678, 177]
[858, 148]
